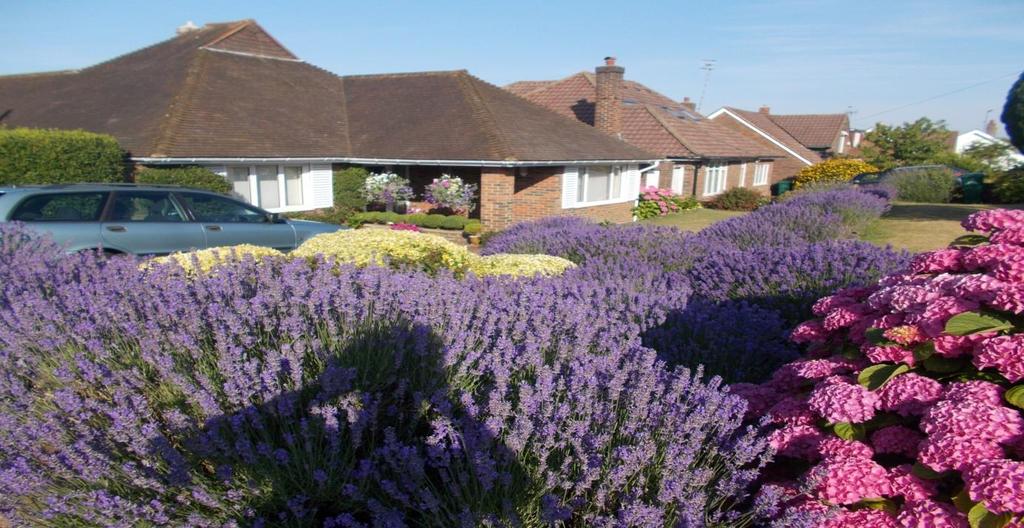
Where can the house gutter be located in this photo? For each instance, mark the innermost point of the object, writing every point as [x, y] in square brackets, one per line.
[391, 161]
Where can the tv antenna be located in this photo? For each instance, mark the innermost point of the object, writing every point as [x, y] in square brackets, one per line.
[708, 65]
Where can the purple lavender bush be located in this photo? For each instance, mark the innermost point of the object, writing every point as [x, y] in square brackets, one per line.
[775, 226]
[857, 207]
[288, 394]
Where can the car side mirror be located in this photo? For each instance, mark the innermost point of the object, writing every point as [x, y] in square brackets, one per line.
[275, 218]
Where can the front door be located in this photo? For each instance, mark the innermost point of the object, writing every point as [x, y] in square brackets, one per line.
[148, 223]
[228, 222]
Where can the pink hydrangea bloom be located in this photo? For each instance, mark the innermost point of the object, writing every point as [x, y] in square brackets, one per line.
[1003, 353]
[759, 397]
[992, 257]
[999, 484]
[911, 487]
[942, 260]
[909, 394]
[808, 332]
[905, 335]
[930, 514]
[865, 518]
[897, 440]
[841, 401]
[826, 304]
[797, 441]
[834, 447]
[843, 316]
[798, 373]
[972, 419]
[850, 480]
[889, 354]
[977, 391]
[1013, 236]
[945, 452]
[994, 220]
[949, 346]
[792, 410]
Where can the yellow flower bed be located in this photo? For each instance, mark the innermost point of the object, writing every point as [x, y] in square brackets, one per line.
[519, 265]
[380, 247]
[833, 170]
[208, 259]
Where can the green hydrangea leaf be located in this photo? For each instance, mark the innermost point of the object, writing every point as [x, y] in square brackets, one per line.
[875, 335]
[924, 351]
[925, 472]
[980, 517]
[878, 503]
[875, 376]
[849, 431]
[963, 501]
[968, 240]
[1015, 396]
[943, 365]
[968, 323]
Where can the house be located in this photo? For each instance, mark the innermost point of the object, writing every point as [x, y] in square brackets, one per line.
[978, 138]
[230, 97]
[803, 139]
[700, 157]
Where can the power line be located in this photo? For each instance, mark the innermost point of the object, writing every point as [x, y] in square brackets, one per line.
[934, 97]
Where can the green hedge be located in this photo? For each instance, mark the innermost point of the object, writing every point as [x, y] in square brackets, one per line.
[738, 199]
[430, 221]
[41, 156]
[348, 188]
[925, 186]
[195, 177]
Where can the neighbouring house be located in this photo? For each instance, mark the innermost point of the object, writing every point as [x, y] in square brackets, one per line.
[976, 138]
[700, 157]
[802, 139]
[230, 97]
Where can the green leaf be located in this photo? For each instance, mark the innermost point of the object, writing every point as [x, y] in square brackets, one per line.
[973, 322]
[981, 375]
[875, 335]
[848, 431]
[969, 240]
[1015, 396]
[923, 351]
[943, 365]
[980, 517]
[875, 376]
[878, 503]
[963, 501]
[925, 472]
[976, 515]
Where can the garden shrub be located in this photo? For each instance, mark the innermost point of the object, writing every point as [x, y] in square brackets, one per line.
[776, 225]
[451, 194]
[1009, 186]
[738, 199]
[657, 202]
[194, 177]
[453, 222]
[857, 207]
[43, 156]
[396, 249]
[386, 189]
[434, 221]
[832, 170]
[207, 260]
[518, 265]
[348, 189]
[925, 186]
[910, 401]
[280, 393]
[431, 221]
[473, 228]
[330, 215]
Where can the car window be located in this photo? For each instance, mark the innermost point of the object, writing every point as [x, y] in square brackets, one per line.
[138, 206]
[209, 208]
[61, 207]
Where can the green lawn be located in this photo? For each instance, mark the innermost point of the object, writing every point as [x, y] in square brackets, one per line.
[913, 226]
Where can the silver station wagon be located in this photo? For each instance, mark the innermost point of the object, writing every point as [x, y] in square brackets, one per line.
[149, 219]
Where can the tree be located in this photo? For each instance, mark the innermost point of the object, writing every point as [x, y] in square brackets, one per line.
[1013, 114]
[917, 143]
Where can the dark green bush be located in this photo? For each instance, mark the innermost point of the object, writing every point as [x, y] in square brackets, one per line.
[1009, 186]
[738, 199]
[330, 215]
[348, 188]
[430, 221]
[473, 227]
[453, 222]
[41, 156]
[925, 186]
[433, 221]
[416, 219]
[195, 177]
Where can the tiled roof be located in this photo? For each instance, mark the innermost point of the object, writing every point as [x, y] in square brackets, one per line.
[231, 90]
[650, 120]
[814, 131]
[764, 123]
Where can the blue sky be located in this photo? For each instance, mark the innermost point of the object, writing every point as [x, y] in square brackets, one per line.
[797, 56]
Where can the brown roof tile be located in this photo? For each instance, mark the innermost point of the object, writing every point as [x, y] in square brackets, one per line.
[651, 120]
[814, 131]
[764, 123]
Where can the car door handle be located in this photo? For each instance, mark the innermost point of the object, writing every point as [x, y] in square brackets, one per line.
[116, 228]
[212, 228]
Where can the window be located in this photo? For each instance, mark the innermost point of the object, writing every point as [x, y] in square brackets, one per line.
[599, 184]
[761, 173]
[144, 207]
[62, 207]
[677, 179]
[269, 186]
[209, 208]
[651, 178]
[743, 174]
[714, 178]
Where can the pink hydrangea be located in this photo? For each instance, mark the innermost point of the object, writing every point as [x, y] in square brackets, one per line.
[1014, 236]
[850, 480]
[976, 287]
[999, 484]
[896, 440]
[841, 401]
[905, 335]
[1009, 299]
[826, 304]
[909, 394]
[945, 452]
[864, 518]
[991, 257]
[943, 260]
[834, 447]
[792, 410]
[759, 397]
[1003, 353]
[930, 514]
[797, 441]
[994, 220]
[911, 487]
[973, 419]
[889, 354]
[949, 346]
[843, 317]
[976, 390]
[799, 373]
[808, 332]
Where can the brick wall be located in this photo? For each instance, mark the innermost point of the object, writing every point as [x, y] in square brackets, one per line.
[496, 191]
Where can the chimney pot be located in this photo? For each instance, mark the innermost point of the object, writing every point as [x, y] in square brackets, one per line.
[608, 107]
[688, 104]
[991, 128]
[765, 109]
[187, 27]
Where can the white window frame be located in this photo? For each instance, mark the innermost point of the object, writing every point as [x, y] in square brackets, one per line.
[743, 174]
[678, 178]
[282, 188]
[761, 172]
[717, 173]
[583, 173]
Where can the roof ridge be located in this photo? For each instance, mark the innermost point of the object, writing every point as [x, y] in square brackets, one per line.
[667, 126]
[239, 25]
[483, 115]
[249, 23]
[176, 107]
[787, 132]
[70, 71]
[406, 74]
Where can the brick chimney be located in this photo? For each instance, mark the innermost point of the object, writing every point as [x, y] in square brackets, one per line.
[688, 104]
[991, 128]
[608, 110]
[765, 109]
